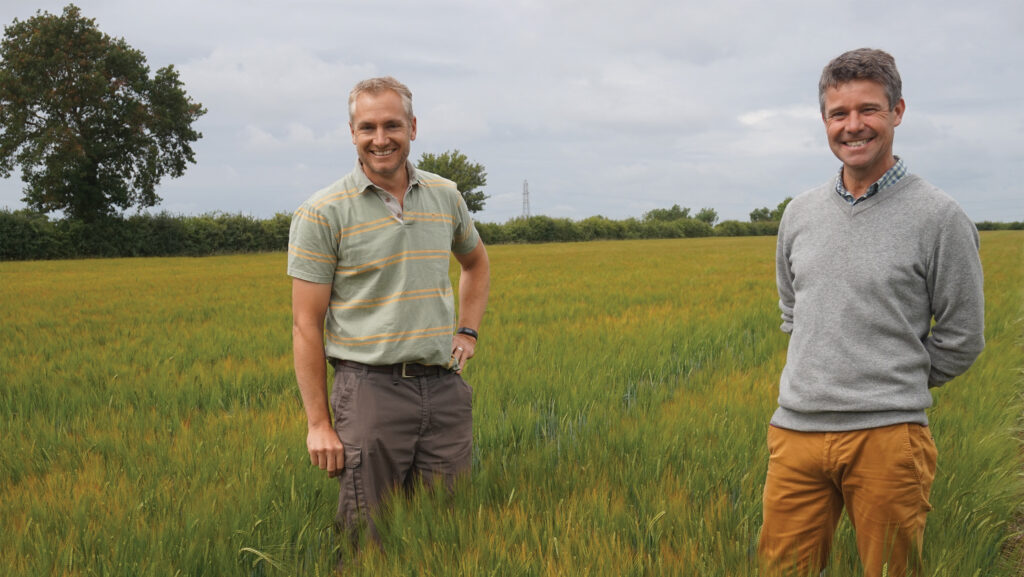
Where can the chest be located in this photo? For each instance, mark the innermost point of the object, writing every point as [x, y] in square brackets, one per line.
[869, 257]
[371, 235]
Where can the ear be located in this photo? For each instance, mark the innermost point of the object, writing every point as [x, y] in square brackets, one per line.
[898, 112]
[353, 131]
[412, 136]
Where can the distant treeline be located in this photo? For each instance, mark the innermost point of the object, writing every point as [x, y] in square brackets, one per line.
[989, 225]
[547, 229]
[28, 235]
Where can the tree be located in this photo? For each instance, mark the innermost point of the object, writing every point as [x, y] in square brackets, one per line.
[781, 208]
[667, 214]
[766, 214]
[469, 177]
[763, 214]
[708, 215]
[92, 132]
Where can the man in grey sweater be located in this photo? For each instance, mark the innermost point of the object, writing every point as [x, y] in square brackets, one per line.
[864, 264]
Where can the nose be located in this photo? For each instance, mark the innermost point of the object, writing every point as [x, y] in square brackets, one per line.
[854, 122]
[379, 137]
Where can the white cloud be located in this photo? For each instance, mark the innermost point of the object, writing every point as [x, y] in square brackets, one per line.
[778, 132]
[767, 118]
[274, 78]
[605, 107]
[296, 137]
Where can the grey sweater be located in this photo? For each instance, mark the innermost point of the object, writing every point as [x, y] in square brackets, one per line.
[858, 288]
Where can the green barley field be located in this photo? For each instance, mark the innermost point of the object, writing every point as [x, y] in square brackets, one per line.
[150, 424]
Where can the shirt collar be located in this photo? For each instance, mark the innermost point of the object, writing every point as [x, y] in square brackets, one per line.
[390, 202]
[891, 177]
[364, 181]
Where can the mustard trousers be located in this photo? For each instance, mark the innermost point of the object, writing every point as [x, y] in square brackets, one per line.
[883, 478]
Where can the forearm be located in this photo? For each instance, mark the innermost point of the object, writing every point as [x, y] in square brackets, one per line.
[474, 286]
[311, 374]
[956, 340]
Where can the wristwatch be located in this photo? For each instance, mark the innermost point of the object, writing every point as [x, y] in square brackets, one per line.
[468, 332]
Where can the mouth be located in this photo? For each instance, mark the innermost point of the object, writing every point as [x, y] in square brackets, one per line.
[383, 153]
[857, 143]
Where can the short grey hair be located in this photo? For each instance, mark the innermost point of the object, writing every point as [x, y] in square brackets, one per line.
[376, 86]
[862, 64]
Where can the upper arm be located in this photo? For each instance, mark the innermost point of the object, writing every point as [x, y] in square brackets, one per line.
[784, 274]
[474, 258]
[956, 280]
[784, 279]
[309, 303]
[313, 246]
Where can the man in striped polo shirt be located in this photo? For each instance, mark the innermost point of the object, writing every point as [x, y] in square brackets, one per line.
[369, 255]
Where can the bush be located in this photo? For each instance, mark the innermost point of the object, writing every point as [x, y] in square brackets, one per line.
[29, 235]
[988, 225]
[491, 233]
[738, 228]
[275, 232]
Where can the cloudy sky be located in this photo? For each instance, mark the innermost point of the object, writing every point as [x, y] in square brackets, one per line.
[610, 108]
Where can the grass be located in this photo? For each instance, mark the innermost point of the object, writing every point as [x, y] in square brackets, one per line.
[150, 424]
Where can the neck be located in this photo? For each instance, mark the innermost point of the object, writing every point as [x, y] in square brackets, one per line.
[396, 184]
[857, 182]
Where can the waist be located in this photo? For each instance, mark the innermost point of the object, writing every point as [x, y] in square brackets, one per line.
[835, 421]
[404, 370]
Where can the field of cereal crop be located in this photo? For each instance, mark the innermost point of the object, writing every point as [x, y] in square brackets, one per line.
[150, 424]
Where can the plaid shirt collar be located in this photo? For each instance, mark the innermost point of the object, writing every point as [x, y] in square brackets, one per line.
[891, 177]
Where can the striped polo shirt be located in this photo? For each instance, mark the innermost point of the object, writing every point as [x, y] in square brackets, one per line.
[391, 299]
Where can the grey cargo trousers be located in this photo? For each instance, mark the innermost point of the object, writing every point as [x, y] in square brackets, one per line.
[397, 431]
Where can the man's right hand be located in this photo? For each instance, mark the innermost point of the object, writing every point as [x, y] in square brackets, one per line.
[326, 450]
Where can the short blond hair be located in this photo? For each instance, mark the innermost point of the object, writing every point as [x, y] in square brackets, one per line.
[376, 86]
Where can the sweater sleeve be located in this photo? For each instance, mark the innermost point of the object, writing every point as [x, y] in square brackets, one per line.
[784, 278]
[955, 286]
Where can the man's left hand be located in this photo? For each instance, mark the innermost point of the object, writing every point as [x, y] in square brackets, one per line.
[463, 347]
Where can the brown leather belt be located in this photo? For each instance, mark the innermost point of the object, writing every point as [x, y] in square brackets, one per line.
[404, 370]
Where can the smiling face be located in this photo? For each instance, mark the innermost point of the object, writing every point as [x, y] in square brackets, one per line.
[860, 125]
[382, 133]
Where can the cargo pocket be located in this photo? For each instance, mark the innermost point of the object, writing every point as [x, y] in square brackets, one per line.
[352, 510]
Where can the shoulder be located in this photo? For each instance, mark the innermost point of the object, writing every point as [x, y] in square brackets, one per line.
[811, 200]
[928, 200]
[933, 216]
[436, 183]
[347, 187]
[918, 188]
[441, 194]
[337, 202]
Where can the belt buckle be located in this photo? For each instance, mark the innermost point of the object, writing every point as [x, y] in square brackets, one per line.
[404, 375]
